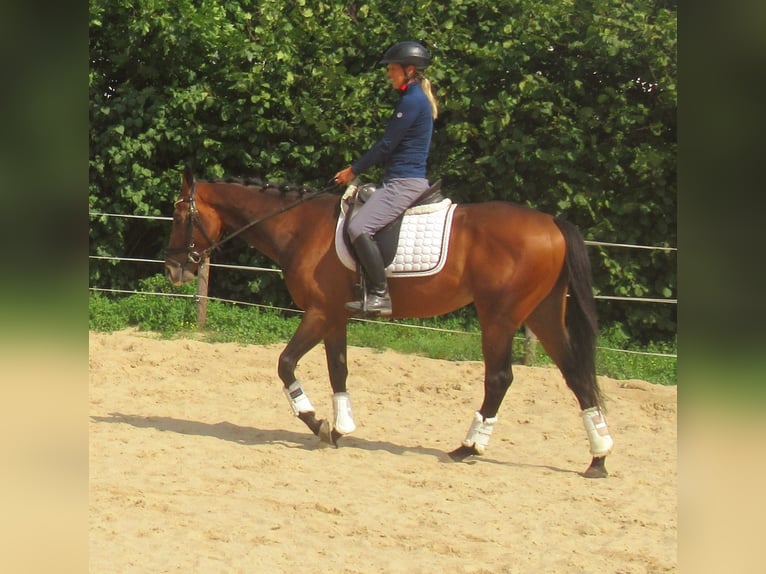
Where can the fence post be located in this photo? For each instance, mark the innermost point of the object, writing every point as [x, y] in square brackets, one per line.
[202, 279]
[530, 345]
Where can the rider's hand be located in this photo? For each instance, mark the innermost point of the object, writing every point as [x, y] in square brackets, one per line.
[345, 176]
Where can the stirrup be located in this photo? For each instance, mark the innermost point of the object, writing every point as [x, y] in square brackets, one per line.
[371, 305]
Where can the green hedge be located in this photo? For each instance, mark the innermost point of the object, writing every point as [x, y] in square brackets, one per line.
[569, 107]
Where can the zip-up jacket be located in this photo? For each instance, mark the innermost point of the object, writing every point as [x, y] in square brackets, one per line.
[403, 149]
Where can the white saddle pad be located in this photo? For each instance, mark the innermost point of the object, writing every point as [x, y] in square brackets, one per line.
[423, 241]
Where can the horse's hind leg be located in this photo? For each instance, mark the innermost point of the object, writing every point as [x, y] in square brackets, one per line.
[547, 321]
[497, 343]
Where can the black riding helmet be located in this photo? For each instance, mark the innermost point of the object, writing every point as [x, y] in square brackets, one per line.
[406, 54]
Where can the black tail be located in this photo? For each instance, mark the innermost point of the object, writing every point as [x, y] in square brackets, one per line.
[581, 320]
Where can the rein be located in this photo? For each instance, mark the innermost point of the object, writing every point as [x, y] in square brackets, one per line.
[192, 220]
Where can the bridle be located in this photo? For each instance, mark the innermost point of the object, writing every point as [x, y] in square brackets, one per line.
[193, 220]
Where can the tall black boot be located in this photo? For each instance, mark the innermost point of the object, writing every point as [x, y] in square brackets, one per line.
[378, 301]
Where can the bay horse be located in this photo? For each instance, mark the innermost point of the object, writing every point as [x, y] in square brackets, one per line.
[514, 263]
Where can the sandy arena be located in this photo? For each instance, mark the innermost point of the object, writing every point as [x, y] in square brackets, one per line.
[198, 465]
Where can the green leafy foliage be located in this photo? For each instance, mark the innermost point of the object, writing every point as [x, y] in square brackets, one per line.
[228, 323]
[105, 314]
[569, 107]
[169, 314]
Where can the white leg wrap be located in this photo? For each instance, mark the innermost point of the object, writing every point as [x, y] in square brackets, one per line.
[344, 419]
[479, 432]
[298, 400]
[598, 433]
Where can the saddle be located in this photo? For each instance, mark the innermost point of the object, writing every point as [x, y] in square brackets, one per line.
[419, 247]
[388, 237]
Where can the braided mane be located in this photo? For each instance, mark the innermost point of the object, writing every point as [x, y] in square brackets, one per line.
[265, 187]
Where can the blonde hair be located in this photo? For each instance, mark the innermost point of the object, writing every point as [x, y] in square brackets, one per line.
[425, 83]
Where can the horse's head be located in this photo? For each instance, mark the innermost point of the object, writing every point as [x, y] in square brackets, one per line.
[195, 230]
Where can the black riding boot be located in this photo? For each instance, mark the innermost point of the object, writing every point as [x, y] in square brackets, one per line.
[378, 301]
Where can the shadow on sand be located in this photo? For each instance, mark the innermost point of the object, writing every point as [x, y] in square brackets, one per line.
[252, 436]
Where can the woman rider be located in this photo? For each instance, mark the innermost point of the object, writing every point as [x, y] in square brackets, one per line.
[402, 151]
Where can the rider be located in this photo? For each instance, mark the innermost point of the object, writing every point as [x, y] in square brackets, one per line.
[403, 151]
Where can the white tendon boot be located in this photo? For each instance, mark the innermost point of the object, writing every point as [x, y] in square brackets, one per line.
[298, 400]
[598, 433]
[344, 419]
[479, 432]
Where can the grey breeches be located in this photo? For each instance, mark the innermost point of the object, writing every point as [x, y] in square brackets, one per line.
[385, 205]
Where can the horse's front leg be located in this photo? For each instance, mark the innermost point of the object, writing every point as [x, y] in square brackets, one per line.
[309, 333]
[335, 351]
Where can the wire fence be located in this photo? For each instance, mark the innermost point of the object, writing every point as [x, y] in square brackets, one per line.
[388, 323]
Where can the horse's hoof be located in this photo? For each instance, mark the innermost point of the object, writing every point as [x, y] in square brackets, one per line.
[325, 434]
[462, 452]
[334, 436]
[597, 469]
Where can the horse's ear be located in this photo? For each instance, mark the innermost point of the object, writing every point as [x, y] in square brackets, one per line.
[188, 178]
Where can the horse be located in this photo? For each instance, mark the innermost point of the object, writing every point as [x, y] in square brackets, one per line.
[517, 265]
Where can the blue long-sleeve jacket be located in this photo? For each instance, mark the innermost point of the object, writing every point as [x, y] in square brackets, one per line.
[403, 149]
